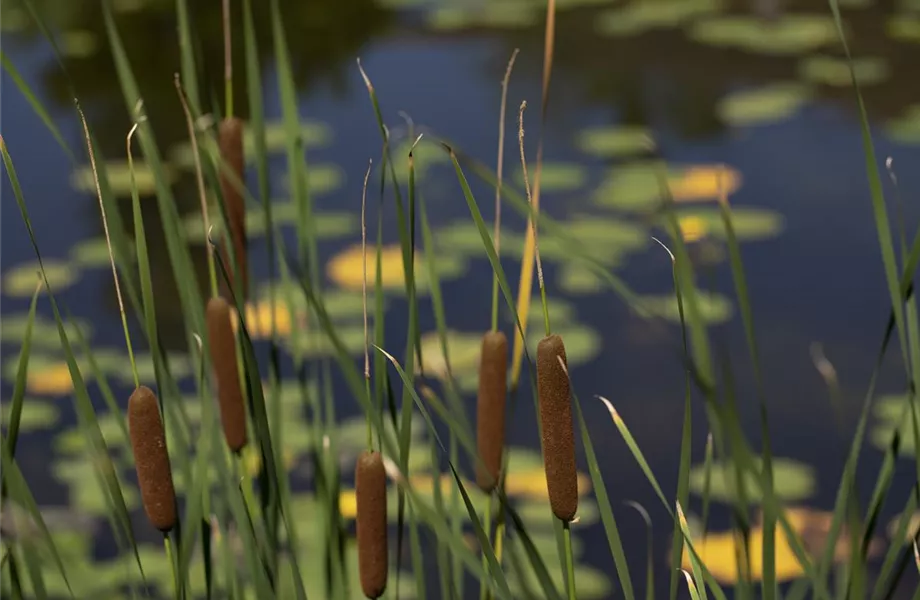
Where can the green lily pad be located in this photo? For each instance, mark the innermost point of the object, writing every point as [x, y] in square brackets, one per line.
[313, 134]
[750, 224]
[44, 331]
[425, 155]
[36, 415]
[78, 43]
[555, 177]
[789, 35]
[84, 490]
[561, 312]
[119, 176]
[14, 19]
[714, 308]
[893, 413]
[638, 17]
[905, 129]
[21, 281]
[833, 71]
[634, 187]
[614, 141]
[793, 481]
[499, 15]
[315, 343]
[322, 178]
[92, 253]
[768, 104]
[603, 238]
[577, 278]
[581, 342]
[590, 582]
[904, 28]
[73, 441]
[327, 225]
[463, 349]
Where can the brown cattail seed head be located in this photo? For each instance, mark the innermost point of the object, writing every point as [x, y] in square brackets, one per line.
[148, 441]
[371, 522]
[556, 420]
[226, 373]
[231, 153]
[490, 408]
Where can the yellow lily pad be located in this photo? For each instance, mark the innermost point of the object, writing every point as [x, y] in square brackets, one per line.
[347, 271]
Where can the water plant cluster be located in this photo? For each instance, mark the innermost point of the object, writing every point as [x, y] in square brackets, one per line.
[234, 448]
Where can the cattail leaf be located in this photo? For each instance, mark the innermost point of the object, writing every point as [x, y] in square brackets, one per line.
[22, 374]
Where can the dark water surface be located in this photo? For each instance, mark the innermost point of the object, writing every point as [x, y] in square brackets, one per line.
[818, 280]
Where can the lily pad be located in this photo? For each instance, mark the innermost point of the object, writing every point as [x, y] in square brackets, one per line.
[92, 253]
[78, 43]
[36, 415]
[904, 28]
[905, 129]
[614, 141]
[463, 350]
[326, 225]
[590, 582]
[602, 238]
[346, 270]
[893, 413]
[768, 104]
[315, 343]
[750, 224]
[638, 17]
[582, 343]
[119, 177]
[714, 308]
[636, 186]
[789, 35]
[322, 178]
[792, 480]
[833, 71]
[84, 489]
[555, 177]
[21, 281]
[313, 134]
[577, 278]
[499, 15]
[44, 331]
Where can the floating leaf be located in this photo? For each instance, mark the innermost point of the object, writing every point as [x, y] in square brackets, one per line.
[85, 493]
[119, 176]
[792, 480]
[556, 177]
[635, 186]
[590, 583]
[44, 331]
[638, 16]
[830, 70]
[614, 141]
[582, 343]
[503, 15]
[313, 134]
[750, 224]
[322, 178]
[714, 308]
[602, 238]
[78, 43]
[904, 28]
[718, 550]
[893, 413]
[92, 253]
[346, 270]
[767, 104]
[21, 281]
[576, 278]
[463, 349]
[36, 414]
[905, 129]
[789, 35]
[328, 225]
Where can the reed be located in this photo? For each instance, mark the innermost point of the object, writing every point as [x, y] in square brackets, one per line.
[558, 434]
[490, 408]
[148, 442]
[371, 521]
[226, 373]
[230, 138]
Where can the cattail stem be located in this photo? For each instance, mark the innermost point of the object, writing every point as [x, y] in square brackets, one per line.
[199, 178]
[108, 243]
[498, 183]
[487, 521]
[228, 59]
[533, 219]
[367, 357]
[167, 545]
[569, 560]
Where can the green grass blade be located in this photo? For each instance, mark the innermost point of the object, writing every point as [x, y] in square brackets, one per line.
[603, 503]
[36, 104]
[22, 375]
[187, 55]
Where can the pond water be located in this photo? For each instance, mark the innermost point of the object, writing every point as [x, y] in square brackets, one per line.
[756, 86]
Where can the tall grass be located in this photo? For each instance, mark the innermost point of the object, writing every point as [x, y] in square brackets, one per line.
[236, 533]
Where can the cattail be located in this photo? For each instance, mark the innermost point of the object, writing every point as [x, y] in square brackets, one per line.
[231, 152]
[371, 521]
[226, 373]
[558, 436]
[490, 408]
[148, 441]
